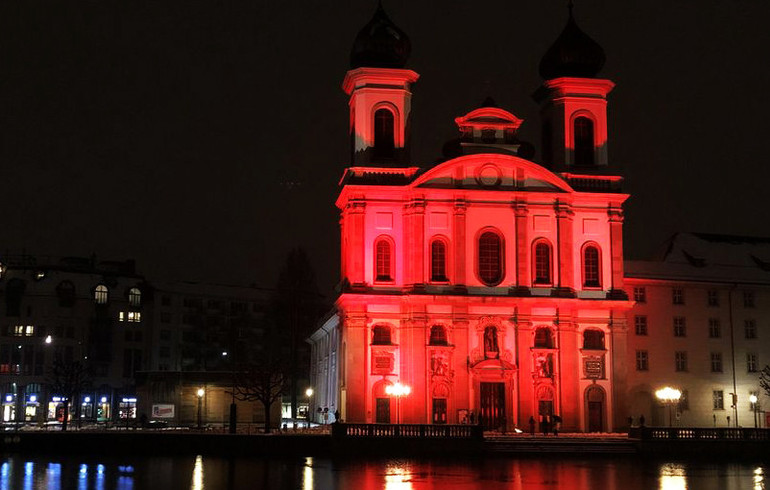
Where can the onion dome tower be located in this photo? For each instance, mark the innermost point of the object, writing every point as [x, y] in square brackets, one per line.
[380, 98]
[573, 103]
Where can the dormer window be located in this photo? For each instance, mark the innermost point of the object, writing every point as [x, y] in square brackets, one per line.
[384, 133]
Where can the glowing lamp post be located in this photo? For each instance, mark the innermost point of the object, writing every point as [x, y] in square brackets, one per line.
[398, 391]
[668, 396]
[200, 394]
[753, 399]
[309, 395]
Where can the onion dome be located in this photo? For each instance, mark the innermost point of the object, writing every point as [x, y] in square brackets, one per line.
[574, 54]
[380, 44]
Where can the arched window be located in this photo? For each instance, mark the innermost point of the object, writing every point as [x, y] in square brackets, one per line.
[101, 294]
[490, 258]
[491, 349]
[384, 129]
[542, 263]
[593, 340]
[591, 267]
[383, 260]
[543, 338]
[134, 297]
[437, 335]
[66, 293]
[438, 261]
[584, 141]
[381, 335]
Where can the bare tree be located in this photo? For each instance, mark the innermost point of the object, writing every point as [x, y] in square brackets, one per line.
[69, 380]
[764, 379]
[262, 380]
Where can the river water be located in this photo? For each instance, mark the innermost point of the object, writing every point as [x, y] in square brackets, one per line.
[213, 473]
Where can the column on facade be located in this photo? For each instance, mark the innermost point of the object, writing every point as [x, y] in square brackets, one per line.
[354, 228]
[522, 247]
[460, 209]
[615, 214]
[526, 380]
[570, 373]
[414, 242]
[357, 367]
[413, 366]
[565, 249]
[619, 374]
[462, 384]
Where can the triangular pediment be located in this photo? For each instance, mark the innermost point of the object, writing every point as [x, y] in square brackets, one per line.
[489, 171]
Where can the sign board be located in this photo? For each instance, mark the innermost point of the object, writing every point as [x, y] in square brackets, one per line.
[163, 411]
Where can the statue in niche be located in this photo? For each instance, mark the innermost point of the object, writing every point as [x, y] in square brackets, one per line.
[439, 366]
[544, 365]
[490, 341]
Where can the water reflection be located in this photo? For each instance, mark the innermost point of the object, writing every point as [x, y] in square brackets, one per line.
[673, 477]
[215, 473]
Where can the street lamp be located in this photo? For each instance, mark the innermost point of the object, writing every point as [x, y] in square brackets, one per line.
[308, 394]
[753, 399]
[668, 396]
[398, 390]
[200, 394]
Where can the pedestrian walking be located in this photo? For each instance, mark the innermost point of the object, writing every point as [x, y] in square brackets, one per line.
[532, 425]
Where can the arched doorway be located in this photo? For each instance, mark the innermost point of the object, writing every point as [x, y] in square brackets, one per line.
[595, 409]
[381, 403]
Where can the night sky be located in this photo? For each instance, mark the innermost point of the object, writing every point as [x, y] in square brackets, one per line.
[205, 139]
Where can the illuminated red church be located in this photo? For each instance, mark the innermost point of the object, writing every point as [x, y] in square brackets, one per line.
[489, 284]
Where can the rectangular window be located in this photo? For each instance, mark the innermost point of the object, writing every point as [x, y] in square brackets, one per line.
[715, 328]
[750, 327]
[751, 363]
[716, 362]
[680, 328]
[24, 330]
[712, 297]
[640, 295]
[748, 299]
[121, 316]
[680, 361]
[165, 352]
[642, 360]
[165, 335]
[165, 300]
[165, 317]
[640, 323]
[677, 296]
[718, 397]
[134, 316]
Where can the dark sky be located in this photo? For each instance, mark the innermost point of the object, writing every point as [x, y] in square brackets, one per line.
[204, 139]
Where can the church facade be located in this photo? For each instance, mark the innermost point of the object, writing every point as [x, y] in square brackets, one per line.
[490, 285]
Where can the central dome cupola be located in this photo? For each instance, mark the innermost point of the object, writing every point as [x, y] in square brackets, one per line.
[380, 44]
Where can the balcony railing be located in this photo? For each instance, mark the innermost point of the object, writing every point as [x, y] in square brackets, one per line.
[423, 431]
[698, 434]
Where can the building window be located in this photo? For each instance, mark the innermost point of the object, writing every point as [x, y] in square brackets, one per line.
[715, 328]
[165, 300]
[381, 335]
[640, 295]
[383, 256]
[384, 132]
[438, 335]
[593, 340]
[716, 362]
[680, 361]
[490, 258]
[591, 267]
[165, 317]
[542, 263]
[680, 327]
[584, 141]
[640, 323]
[677, 296]
[751, 363]
[24, 330]
[642, 360]
[438, 261]
[748, 299]
[101, 294]
[712, 297]
[165, 335]
[750, 327]
[543, 338]
[66, 293]
[134, 297]
[718, 397]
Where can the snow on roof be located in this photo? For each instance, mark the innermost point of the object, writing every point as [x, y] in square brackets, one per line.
[707, 257]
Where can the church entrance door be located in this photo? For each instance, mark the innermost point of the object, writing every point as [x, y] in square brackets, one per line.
[383, 411]
[492, 414]
[595, 416]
